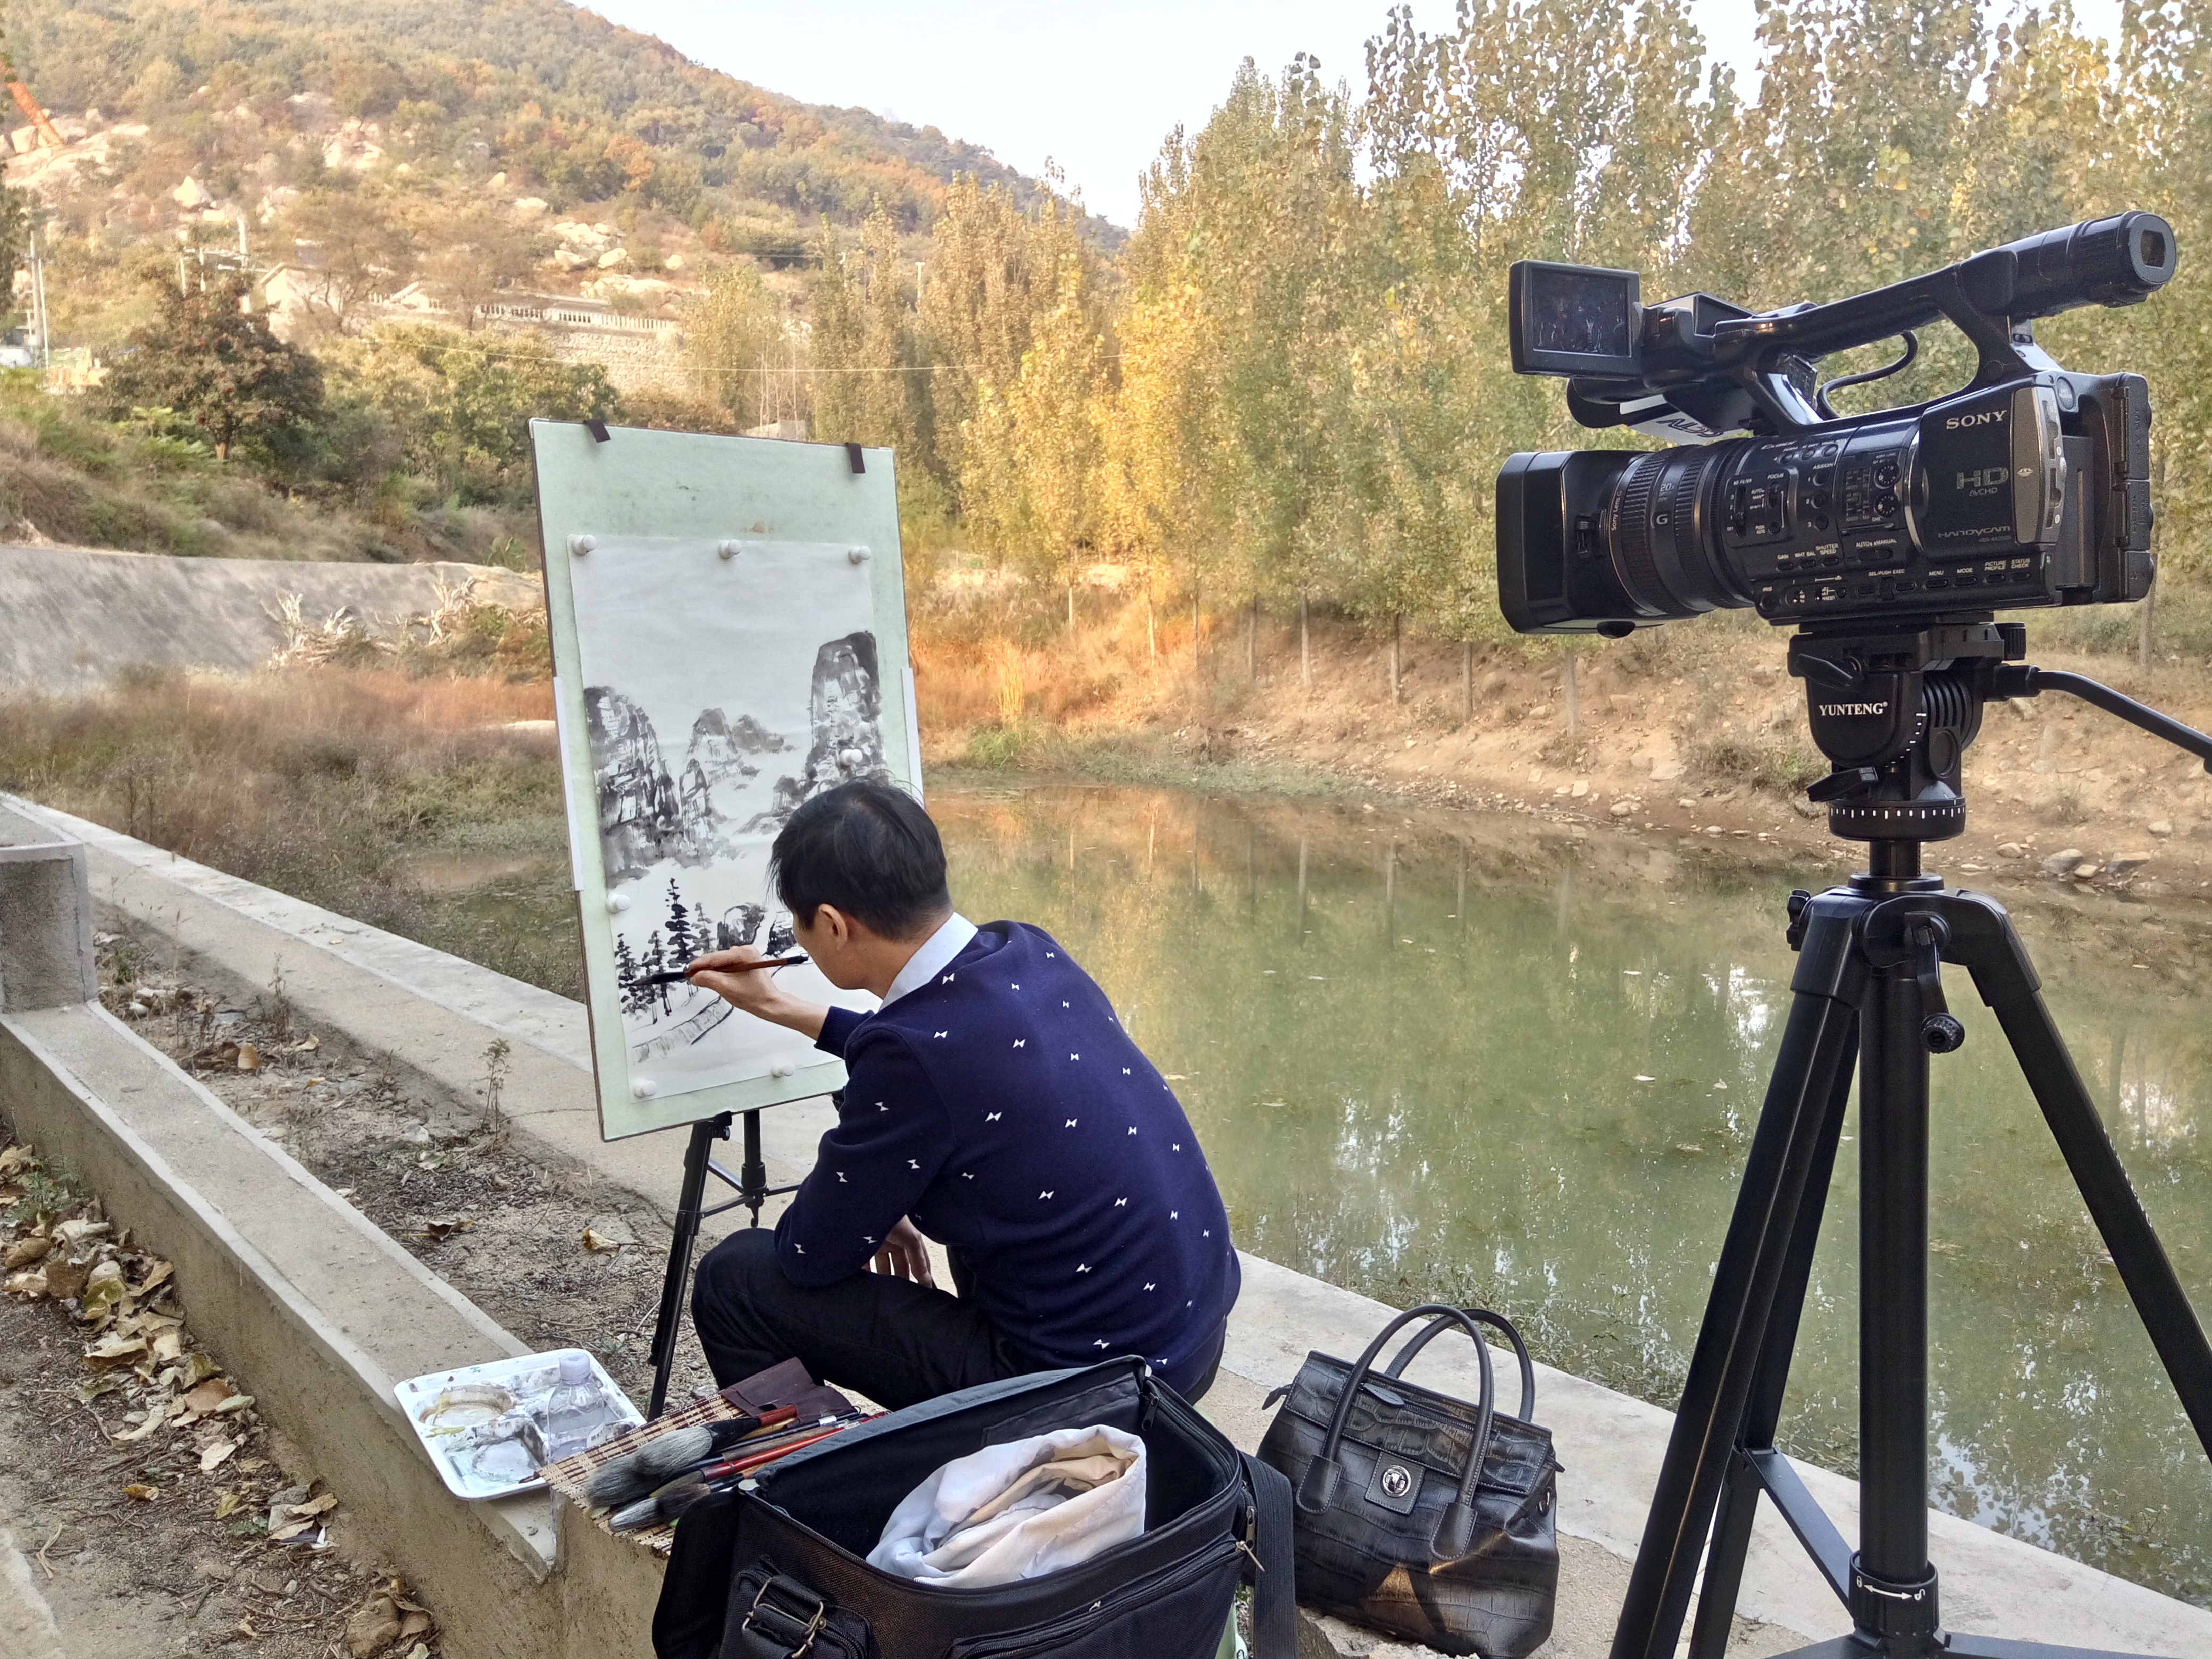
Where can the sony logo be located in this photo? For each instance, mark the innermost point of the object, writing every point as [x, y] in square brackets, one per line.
[1838, 710]
[1987, 417]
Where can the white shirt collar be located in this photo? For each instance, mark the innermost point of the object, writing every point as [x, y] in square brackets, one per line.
[938, 950]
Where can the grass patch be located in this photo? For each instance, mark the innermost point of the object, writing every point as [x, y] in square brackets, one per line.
[328, 784]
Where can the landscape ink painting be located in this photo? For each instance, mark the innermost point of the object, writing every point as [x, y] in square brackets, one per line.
[715, 703]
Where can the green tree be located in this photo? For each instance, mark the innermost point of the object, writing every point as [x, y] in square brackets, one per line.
[348, 248]
[479, 255]
[863, 341]
[740, 343]
[218, 365]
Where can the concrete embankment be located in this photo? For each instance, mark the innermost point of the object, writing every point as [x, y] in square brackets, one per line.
[76, 617]
[433, 1015]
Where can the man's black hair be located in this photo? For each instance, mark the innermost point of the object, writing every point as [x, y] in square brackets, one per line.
[869, 849]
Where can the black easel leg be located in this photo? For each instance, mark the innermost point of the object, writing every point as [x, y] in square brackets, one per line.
[1739, 1500]
[1816, 1049]
[752, 1172]
[690, 1205]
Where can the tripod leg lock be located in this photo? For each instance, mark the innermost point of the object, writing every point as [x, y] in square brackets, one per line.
[1923, 938]
[1895, 1613]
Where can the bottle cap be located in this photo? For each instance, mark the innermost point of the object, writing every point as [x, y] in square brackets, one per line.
[575, 1368]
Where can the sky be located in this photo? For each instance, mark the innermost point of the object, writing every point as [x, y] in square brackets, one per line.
[1092, 89]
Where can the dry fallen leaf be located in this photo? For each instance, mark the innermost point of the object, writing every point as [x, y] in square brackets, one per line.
[30, 1282]
[208, 1396]
[373, 1627]
[15, 1158]
[435, 1230]
[228, 1503]
[157, 1416]
[413, 1622]
[159, 1274]
[167, 1346]
[63, 1280]
[196, 1368]
[249, 1057]
[315, 1506]
[24, 1251]
[596, 1241]
[113, 1350]
[212, 1458]
[144, 1494]
[237, 1402]
[104, 1290]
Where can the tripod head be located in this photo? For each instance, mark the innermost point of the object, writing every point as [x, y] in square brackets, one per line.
[1894, 712]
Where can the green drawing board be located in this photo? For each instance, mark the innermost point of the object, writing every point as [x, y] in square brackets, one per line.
[728, 619]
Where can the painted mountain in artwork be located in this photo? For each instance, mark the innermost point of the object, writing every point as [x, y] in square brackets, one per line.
[645, 815]
[845, 715]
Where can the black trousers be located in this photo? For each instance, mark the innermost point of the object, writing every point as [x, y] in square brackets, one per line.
[876, 1335]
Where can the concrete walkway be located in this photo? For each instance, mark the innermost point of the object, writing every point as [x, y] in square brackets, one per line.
[77, 616]
[27, 1623]
[431, 1016]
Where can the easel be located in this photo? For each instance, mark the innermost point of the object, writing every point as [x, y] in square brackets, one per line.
[752, 1190]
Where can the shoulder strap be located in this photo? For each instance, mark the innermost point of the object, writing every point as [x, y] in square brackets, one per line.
[1274, 1589]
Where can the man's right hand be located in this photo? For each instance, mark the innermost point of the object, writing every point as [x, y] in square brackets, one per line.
[755, 990]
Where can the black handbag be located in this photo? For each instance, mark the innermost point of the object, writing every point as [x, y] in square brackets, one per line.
[1214, 1519]
[1417, 1513]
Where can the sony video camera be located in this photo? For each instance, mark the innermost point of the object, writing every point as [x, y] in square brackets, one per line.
[2031, 487]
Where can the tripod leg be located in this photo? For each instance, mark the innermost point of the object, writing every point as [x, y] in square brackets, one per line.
[2151, 1282]
[689, 1204]
[1816, 1046]
[752, 1172]
[1739, 1500]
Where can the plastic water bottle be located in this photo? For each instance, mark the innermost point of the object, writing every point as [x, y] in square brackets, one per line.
[576, 1407]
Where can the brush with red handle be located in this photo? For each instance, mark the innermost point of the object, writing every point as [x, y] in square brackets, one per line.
[670, 1501]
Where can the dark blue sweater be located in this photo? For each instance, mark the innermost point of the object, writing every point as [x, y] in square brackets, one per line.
[1006, 1110]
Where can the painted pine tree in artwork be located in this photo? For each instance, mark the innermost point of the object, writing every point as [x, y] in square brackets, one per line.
[684, 939]
[655, 961]
[626, 976]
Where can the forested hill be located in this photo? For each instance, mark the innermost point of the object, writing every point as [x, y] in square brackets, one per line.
[563, 101]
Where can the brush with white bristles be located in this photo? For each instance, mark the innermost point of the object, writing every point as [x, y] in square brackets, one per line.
[664, 1457]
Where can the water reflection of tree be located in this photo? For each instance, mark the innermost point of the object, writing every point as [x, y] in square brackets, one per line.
[1467, 1125]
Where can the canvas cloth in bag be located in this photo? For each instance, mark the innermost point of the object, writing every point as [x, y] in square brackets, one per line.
[1213, 1520]
[1018, 1510]
[1418, 1513]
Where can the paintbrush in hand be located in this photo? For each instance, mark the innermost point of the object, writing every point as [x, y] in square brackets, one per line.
[682, 975]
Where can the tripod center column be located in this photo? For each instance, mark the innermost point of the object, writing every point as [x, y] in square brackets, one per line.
[1896, 1591]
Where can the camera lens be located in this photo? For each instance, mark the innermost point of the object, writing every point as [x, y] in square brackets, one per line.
[1665, 534]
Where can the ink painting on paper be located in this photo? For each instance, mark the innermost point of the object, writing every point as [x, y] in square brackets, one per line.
[715, 706]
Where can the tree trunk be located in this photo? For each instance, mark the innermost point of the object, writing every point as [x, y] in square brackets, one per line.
[1306, 649]
[1397, 648]
[1252, 641]
[1194, 630]
[1467, 679]
[1071, 607]
[2146, 631]
[1571, 683]
[1152, 643]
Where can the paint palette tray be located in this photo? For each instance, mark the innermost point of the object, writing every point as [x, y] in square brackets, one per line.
[443, 1407]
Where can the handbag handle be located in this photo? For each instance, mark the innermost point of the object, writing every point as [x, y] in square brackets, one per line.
[1528, 1412]
[1454, 1532]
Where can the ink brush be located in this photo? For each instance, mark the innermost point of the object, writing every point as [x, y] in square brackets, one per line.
[683, 976]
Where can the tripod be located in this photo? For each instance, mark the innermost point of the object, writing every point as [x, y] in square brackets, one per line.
[1894, 712]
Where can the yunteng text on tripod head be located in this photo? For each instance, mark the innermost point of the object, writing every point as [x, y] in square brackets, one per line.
[1890, 539]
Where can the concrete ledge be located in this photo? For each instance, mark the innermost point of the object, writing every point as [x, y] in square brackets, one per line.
[434, 1014]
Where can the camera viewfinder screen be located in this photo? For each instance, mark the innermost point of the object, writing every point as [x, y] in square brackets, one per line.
[1583, 312]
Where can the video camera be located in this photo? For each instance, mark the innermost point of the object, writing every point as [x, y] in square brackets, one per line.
[2030, 487]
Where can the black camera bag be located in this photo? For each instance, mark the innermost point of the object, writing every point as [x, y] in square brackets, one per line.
[1213, 1519]
[1418, 1513]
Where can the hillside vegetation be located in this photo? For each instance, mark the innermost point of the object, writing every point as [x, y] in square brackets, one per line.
[1289, 387]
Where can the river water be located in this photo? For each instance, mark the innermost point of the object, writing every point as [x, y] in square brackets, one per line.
[1482, 1059]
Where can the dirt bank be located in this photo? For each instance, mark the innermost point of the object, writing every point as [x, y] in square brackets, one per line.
[1695, 733]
